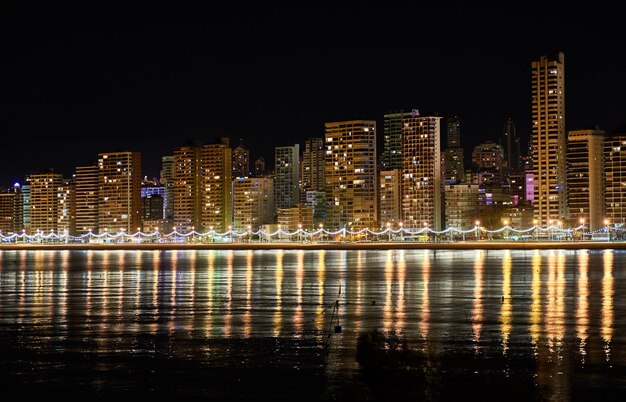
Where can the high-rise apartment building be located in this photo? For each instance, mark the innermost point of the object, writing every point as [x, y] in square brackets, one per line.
[615, 171]
[511, 145]
[421, 172]
[549, 138]
[462, 205]
[350, 171]
[312, 166]
[86, 184]
[119, 191]
[11, 211]
[489, 158]
[454, 161]
[389, 197]
[241, 161]
[186, 175]
[216, 192]
[287, 176]
[392, 135]
[259, 167]
[585, 177]
[67, 207]
[253, 202]
[167, 181]
[44, 201]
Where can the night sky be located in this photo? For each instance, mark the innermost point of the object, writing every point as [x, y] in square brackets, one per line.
[89, 77]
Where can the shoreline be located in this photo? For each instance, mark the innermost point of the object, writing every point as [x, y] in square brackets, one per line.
[472, 245]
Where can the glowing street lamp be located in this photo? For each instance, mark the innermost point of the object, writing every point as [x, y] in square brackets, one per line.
[608, 229]
[389, 231]
[476, 227]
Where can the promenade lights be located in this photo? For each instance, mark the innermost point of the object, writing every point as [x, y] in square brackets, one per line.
[249, 233]
[401, 226]
[299, 232]
[608, 229]
[506, 228]
[389, 231]
[476, 227]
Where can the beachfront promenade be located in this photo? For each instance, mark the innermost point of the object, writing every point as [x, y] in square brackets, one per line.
[379, 245]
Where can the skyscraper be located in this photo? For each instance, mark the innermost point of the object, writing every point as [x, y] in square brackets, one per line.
[489, 158]
[585, 177]
[312, 166]
[253, 202]
[350, 171]
[511, 145]
[167, 181]
[287, 176]
[44, 201]
[186, 190]
[241, 161]
[216, 194]
[86, 182]
[421, 172]
[454, 156]
[615, 169]
[549, 139]
[11, 211]
[119, 191]
[392, 134]
[389, 197]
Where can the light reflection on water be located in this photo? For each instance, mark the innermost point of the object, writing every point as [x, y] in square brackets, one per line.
[558, 308]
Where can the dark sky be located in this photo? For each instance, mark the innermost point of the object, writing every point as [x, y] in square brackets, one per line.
[89, 77]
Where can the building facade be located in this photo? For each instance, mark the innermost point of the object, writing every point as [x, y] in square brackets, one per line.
[350, 171]
[87, 187]
[119, 192]
[585, 178]
[549, 138]
[44, 202]
[615, 171]
[389, 197]
[312, 166]
[287, 176]
[254, 202]
[421, 172]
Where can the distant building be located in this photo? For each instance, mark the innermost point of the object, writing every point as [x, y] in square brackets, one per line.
[316, 200]
[292, 219]
[119, 191]
[312, 166]
[254, 202]
[511, 145]
[392, 145]
[152, 207]
[454, 154]
[87, 187]
[44, 201]
[286, 176]
[259, 167]
[421, 185]
[461, 205]
[585, 178]
[11, 211]
[241, 161]
[67, 207]
[389, 197]
[167, 181]
[615, 169]
[489, 158]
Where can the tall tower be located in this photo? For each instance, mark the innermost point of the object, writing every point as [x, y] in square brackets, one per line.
[287, 176]
[186, 190]
[454, 157]
[350, 162]
[421, 172]
[511, 145]
[615, 169]
[548, 138]
[312, 176]
[167, 181]
[44, 201]
[241, 161]
[585, 177]
[392, 134]
[216, 192]
[86, 181]
[119, 191]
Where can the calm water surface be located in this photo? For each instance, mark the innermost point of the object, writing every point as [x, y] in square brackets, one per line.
[285, 325]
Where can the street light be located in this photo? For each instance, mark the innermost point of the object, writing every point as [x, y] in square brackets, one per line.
[299, 232]
[476, 226]
[582, 228]
[401, 226]
[608, 230]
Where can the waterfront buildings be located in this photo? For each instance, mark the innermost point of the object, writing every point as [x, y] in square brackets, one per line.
[119, 191]
[287, 176]
[350, 171]
[389, 197]
[312, 166]
[44, 201]
[549, 138]
[421, 172]
[615, 170]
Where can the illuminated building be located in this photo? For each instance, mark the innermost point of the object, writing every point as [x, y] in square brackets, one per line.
[615, 170]
[585, 177]
[119, 192]
[454, 154]
[420, 182]
[86, 183]
[461, 205]
[549, 139]
[392, 135]
[312, 166]
[67, 207]
[350, 171]
[44, 201]
[389, 197]
[186, 175]
[489, 157]
[216, 187]
[240, 161]
[167, 181]
[253, 202]
[294, 218]
[11, 211]
[286, 176]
